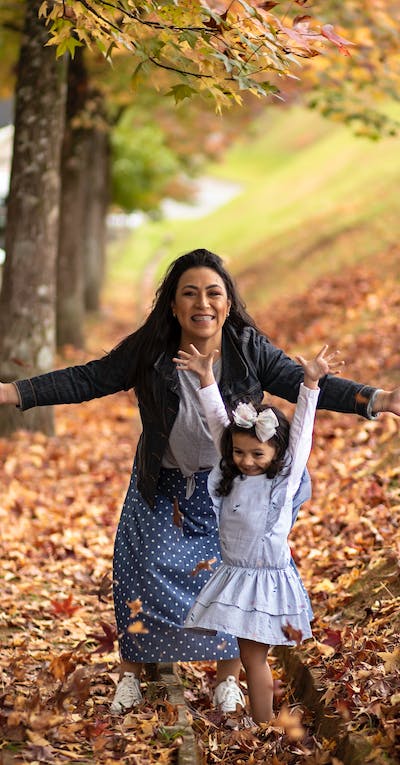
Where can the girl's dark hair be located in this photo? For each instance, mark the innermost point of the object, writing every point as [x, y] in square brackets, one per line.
[161, 331]
[280, 441]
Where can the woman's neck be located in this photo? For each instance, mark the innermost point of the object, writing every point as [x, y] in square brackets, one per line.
[203, 345]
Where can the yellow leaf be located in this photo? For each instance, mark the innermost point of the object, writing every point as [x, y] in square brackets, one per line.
[325, 585]
[138, 628]
[37, 739]
[391, 659]
[135, 606]
[43, 10]
[325, 650]
[15, 718]
[290, 722]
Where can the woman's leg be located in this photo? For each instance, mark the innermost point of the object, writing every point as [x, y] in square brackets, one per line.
[259, 679]
[131, 666]
[127, 693]
[225, 667]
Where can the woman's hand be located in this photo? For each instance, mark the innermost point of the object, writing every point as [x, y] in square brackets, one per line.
[319, 366]
[201, 363]
[8, 394]
[387, 401]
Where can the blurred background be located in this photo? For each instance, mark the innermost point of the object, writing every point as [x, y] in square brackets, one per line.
[267, 132]
[130, 133]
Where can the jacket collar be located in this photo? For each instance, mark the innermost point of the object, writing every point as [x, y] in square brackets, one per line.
[234, 367]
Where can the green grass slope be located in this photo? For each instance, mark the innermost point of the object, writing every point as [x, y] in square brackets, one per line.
[313, 198]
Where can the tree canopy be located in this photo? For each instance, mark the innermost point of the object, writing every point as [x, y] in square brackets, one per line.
[218, 50]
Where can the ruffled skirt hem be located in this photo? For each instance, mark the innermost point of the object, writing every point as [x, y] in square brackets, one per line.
[263, 604]
[285, 629]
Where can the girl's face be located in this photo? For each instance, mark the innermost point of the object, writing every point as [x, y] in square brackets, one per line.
[201, 306]
[251, 456]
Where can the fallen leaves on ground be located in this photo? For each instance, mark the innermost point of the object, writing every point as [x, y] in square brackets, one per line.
[59, 506]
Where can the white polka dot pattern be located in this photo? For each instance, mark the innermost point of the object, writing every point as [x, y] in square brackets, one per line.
[153, 560]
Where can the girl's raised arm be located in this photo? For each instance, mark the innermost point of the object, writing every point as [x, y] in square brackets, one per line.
[209, 395]
[301, 428]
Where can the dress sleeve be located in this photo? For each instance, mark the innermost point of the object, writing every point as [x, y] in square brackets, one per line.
[212, 485]
[215, 412]
[301, 432]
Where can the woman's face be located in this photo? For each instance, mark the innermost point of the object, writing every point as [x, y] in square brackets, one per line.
[201, 306]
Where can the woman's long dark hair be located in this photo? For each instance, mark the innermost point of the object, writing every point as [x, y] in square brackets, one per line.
[161, 331]
[279, 441]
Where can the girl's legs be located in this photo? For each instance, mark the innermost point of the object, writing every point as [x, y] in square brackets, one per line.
[259, 679]
[226, 667]
[227, 695]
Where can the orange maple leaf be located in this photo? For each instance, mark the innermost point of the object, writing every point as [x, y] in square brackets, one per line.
[203, 565]
[135, 606]
[137, 628]
[63, 665]
[64, 607]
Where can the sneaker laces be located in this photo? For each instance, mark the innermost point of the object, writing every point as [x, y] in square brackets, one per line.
[248, 722]
[127, 693]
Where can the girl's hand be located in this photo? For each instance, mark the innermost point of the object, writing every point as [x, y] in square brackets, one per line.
[320, 366]
[200, 363]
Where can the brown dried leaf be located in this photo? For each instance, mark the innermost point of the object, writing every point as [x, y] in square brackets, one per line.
[203, 565]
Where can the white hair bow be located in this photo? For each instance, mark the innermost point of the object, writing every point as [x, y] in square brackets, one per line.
[265, 423]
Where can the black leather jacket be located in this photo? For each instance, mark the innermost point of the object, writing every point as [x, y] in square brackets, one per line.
[250, 366]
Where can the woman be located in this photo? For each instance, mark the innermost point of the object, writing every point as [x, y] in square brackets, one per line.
[154, 556]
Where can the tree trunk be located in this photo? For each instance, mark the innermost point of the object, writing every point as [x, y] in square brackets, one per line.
[97, 201]
[27, 300]
[70, 273]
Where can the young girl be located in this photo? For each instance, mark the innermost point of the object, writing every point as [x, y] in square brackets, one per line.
[255, 594]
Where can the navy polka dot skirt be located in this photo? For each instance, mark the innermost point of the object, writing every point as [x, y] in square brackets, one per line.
[153, 561]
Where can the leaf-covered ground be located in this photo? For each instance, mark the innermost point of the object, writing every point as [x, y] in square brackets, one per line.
[59, 504]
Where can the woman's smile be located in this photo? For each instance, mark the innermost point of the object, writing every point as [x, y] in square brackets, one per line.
[203, 317]
[201, 306]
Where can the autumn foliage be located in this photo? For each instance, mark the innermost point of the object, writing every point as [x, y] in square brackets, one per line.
[59, 504]
[217, 49]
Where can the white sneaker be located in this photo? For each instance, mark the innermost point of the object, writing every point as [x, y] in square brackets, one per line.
[127, 694]
[228, 694]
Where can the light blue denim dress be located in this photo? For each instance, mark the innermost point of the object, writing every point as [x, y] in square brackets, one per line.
[255, 592]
